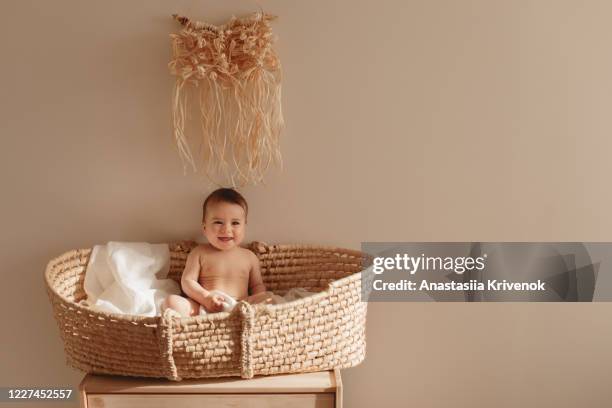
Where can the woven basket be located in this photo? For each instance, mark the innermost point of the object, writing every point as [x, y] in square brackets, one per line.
[320, 332]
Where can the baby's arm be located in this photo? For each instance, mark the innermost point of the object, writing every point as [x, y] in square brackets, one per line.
[193, 289]
[256, 284]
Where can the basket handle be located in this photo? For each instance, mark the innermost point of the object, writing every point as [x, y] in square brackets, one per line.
[247, 316]
[165, 338]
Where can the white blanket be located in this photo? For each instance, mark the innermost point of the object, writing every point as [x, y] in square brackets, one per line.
[129, 278]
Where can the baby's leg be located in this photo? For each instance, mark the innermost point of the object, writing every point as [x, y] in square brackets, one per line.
[184, 306]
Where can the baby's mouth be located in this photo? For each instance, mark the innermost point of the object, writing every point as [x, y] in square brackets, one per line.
[225, 239]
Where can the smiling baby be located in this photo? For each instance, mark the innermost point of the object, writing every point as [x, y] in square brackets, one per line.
[220, 273]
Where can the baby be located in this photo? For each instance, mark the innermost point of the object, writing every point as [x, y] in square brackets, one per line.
[219, 273]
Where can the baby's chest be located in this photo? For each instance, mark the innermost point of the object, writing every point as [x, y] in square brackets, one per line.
[219, 267]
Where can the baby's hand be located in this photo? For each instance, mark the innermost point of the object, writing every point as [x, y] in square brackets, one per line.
[214, 303]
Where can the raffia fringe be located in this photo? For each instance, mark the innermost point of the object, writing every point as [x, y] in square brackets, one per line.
[234, 76]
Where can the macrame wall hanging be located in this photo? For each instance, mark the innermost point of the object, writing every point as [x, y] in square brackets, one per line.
[233, 75]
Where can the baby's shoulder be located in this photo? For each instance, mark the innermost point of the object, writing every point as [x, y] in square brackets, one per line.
[248, 254]
[200, 250]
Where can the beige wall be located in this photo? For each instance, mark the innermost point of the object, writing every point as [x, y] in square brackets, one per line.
[406, 120]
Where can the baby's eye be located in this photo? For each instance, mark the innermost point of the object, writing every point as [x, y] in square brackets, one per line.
[217, 222]
[236, 223]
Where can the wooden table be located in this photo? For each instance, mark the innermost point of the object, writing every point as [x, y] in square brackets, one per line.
[310, 390]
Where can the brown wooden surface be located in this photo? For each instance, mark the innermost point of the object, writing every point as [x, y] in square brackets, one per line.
[320, 400]
[291, 383]
[309, 390]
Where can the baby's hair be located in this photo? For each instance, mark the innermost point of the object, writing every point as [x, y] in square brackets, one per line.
[225, 195]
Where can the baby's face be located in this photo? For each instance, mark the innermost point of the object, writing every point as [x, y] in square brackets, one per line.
[224, 225]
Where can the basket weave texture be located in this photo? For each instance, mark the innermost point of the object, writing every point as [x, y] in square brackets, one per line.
[320, 332]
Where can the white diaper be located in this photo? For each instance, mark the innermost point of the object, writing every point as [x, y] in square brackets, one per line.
[228, 302]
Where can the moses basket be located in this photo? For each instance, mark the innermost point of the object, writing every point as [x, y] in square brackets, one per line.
[320, 332]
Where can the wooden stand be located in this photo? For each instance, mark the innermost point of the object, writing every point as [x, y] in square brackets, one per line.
[310, 390]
